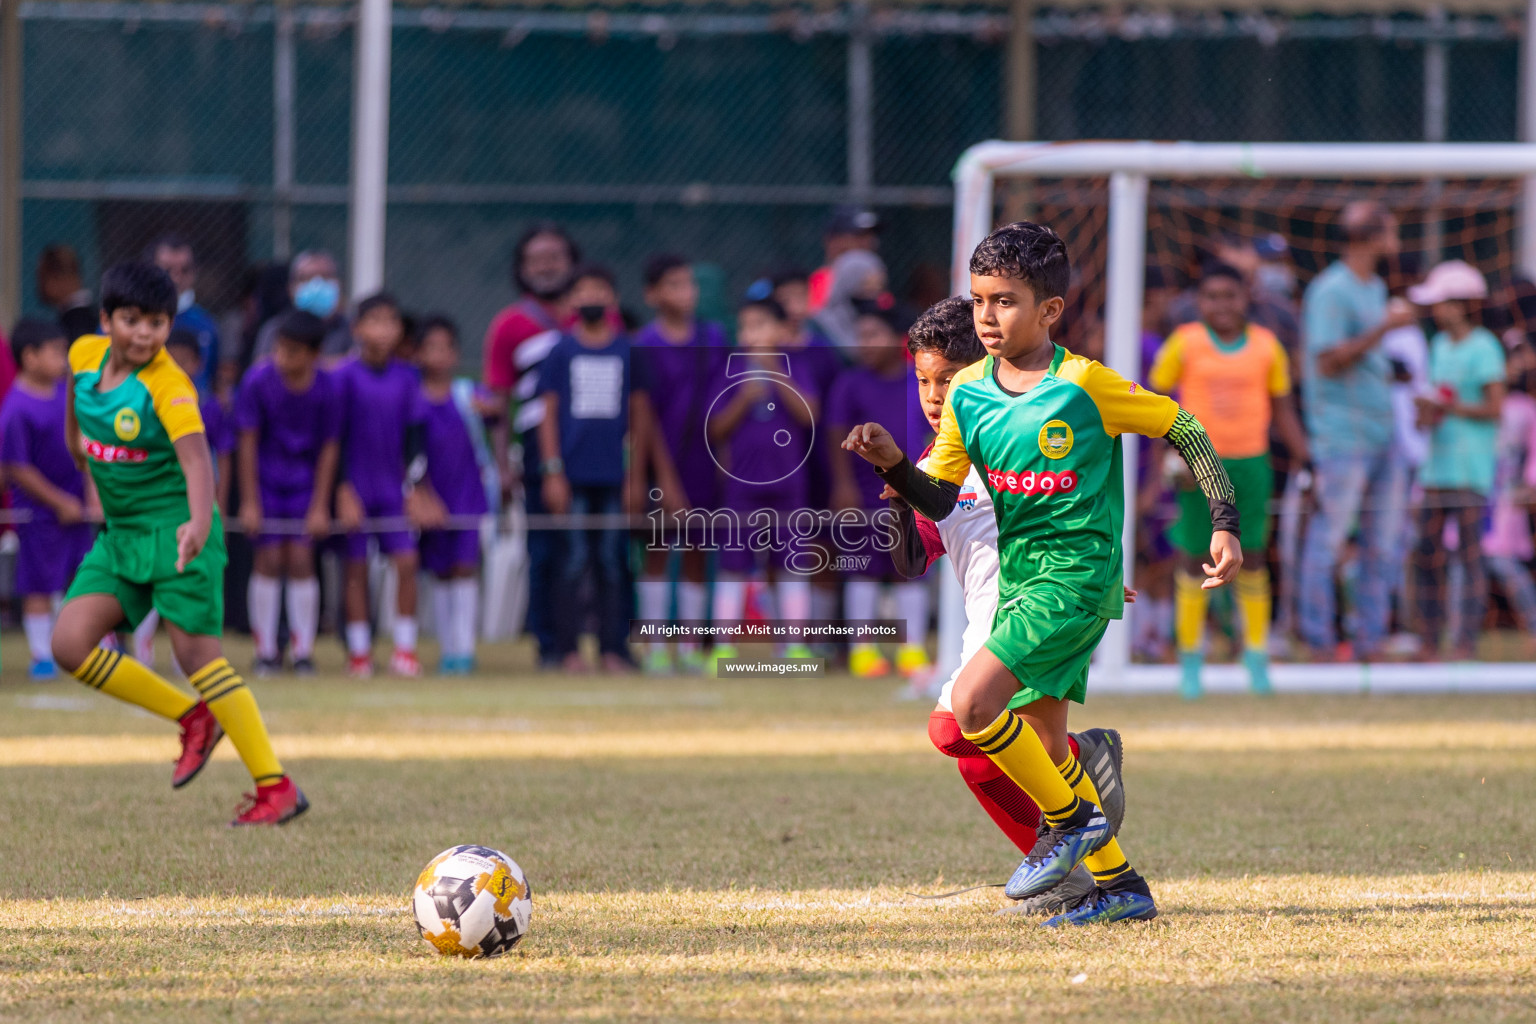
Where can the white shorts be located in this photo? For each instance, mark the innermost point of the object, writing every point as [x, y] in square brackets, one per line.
[980, 609]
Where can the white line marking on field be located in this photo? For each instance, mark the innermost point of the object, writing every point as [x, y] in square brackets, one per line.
[54, 702]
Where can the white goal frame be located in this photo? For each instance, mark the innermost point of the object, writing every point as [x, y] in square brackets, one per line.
[1130, 166]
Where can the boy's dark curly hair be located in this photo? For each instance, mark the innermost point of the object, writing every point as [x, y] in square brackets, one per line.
[141, 286]
[947, 328]
[1029, 252]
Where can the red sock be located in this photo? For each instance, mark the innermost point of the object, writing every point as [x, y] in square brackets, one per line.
[1009, 807]
[945, 733]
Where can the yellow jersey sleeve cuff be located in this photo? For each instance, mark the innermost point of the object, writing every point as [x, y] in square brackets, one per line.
[1167, 423]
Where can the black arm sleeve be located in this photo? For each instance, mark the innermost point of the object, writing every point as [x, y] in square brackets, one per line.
[415, 452]
[1194, 444]
[910, 556]
[928, 495]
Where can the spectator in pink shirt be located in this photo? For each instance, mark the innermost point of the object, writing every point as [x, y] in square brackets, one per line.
[1507, 545]
[518, 340]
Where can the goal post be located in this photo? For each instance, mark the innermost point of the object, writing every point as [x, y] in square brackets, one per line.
[1129, 168]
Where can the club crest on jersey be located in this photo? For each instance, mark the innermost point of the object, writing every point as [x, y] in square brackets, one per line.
[1055, 439]
[126, 423]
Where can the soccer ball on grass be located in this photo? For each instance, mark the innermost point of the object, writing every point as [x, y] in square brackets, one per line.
[472, 901]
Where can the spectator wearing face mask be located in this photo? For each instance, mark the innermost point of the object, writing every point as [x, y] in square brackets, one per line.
[174, 255]
[314, 285]
[590, 397]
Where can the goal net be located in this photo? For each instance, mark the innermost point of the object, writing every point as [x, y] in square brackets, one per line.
[1141, 220]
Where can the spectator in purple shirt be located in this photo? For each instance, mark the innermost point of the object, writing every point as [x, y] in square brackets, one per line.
[762, 429]
[462, 472]
[288, 413]
[44, 482]
[811, 353]
[682, 361]
[878, 388]
[381, 440]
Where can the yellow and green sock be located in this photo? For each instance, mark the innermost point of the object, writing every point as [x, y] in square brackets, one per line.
[1253, 597]
[1108, 862]
[1013, 746]
[116, 674]
[234, 706]
[1191, 603]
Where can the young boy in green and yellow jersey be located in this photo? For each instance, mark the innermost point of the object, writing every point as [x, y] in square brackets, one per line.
[1042, 427]
[133, 423]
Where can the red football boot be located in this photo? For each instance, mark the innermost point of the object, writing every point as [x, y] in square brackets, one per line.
[276, 803]
[200, 733]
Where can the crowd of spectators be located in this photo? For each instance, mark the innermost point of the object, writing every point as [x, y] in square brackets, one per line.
[1406, 493]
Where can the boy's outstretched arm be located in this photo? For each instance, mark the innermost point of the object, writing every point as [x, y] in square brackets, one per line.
[918, 540]
[197, 466]
[928, 495]
[1194, 445]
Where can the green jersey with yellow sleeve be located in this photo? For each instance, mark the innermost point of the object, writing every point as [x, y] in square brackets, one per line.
[1051, 459]
[129, 434]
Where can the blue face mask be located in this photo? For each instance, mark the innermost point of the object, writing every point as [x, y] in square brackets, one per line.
[318, 295]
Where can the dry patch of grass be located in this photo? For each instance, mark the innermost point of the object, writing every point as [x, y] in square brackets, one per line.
[704, 851]
[1274, 948]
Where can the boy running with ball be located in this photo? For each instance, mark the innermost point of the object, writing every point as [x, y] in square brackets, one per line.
[1042, 427]
[132, 422]
[943, 343]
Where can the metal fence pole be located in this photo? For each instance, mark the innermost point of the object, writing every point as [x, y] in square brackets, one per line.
[1019, 77]
[861, 94]
[370, 147]
[10, 160]
[283, 88]
[1436, 88]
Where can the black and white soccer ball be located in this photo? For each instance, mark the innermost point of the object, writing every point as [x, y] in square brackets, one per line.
[472, 901]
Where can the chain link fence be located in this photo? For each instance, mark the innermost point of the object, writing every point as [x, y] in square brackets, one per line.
[723, 133]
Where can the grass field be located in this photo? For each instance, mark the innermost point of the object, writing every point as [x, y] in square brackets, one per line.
[743, 851]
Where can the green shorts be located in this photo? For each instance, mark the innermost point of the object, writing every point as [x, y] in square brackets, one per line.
[1254, 482]
[1046, 639]
[137, 565]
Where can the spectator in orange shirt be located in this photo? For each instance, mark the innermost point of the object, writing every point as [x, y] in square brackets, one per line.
[1233, 376]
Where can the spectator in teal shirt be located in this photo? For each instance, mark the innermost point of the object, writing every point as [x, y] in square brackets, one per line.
[1466, 371]
[1357, 472]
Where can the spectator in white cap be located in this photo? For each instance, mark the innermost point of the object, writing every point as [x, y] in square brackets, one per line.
[1466, 378]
